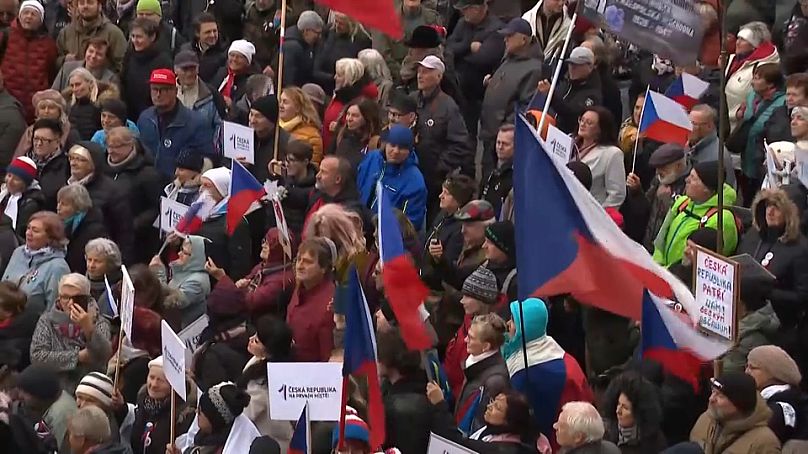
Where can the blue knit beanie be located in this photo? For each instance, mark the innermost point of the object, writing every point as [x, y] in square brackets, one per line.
[400, 136]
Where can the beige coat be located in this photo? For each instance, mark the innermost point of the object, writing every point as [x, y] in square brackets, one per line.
[749, 435]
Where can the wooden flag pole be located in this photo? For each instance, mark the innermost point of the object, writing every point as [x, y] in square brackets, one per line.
[279, 82]
[557, 73]
[173, 428]
[118, 357]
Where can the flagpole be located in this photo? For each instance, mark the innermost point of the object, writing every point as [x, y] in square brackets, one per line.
[722, 119]
[279, 82]
[557, 73]
[173, 426]
[118, 358]
[639, 126]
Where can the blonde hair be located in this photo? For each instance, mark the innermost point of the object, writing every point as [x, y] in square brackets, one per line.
[343, 227]
[374, 63]
[88, 77]
[492, 329]
[351, 68]
[355, 26]
[307, 111]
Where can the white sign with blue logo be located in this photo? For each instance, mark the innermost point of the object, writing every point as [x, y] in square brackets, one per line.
[291, 385]
[238, 142]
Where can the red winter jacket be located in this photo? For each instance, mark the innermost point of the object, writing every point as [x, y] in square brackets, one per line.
[363, 88]
[29, 64]
[454, 362]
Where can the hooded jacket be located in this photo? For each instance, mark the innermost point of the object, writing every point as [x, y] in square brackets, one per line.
[749, 434]
[685, 217]
[403, 182]
[57, 342]
[783, 252]
[756, 328]
[28, 64]
[37, 274]
[190, 279]
[74, 37]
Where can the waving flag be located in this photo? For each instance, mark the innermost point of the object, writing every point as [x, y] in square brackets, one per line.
[378, 14]
[197, 213]
[664, 120]
[674, 342]
[687, 90]
[403, 287]
[359, 359]
[301, 438]
[245, 192]
[568, 244]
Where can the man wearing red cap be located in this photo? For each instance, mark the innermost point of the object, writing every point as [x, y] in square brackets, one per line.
[168, 128]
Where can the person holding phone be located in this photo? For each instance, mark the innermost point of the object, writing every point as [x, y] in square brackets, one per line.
[72, 337]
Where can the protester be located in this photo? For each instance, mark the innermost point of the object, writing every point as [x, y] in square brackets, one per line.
[703, 139]
[90, 432]
[230, 80]
[197, 95]
[344, 38]
[113, 115]
[95, 60]
[207, 45]
[218, 409]
[18, 323]
[83, 223]
[359, 135]
[300, 119]
[188, 276]
[632, 415]
[301, 45]
[21, 195]
[414, 14]
[378, 72]
[103, 266]
[579, 429]
[187, 178]
[352, 85]
[499, 182]
[581, 89]
[142, 58]
[46, 405]
[50, 158]
[298, 175]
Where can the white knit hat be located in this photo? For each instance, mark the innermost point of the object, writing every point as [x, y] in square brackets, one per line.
[35, 5]
[243, 47]
[220, 177]
[156, 362]
[97, 386]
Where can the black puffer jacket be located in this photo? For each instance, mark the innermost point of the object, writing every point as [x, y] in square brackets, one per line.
[85, 117]
[575, 97]
[298, 62]
[52, 176]
[137, 68]
[210, 60]
[407, 415]
[647, 411]
[230, 252]
[472, 67]
[32, 200]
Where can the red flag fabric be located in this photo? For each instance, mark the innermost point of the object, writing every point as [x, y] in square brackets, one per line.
[378, 14]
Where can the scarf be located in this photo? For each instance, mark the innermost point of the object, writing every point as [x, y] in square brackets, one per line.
[11, 202]
[82, 181]
[153, 407]
[74, 221]
[41, 251]
[41, 162]
[291, 124]
[123, 163]
[474, 359]
[627, 435]
[226, 88]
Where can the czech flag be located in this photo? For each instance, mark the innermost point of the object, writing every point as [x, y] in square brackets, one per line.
[402, 285]
[197, 213]
[671, 339]
[301, 438]
[687, 90]
[567, 244]
[379, 14]
[360, 360]
[664, 120]
[245, 192]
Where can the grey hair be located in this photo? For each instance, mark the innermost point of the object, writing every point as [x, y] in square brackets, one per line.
[760, 29]
[309, 20]
[258, 85]
[707, 110]
[77, 281]
[374, 63]
[107, 249]
[91, 423]
[78, 196]
[351, 68]
[583, 419]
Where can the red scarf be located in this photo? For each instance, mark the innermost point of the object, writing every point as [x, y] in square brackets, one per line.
[227, 84]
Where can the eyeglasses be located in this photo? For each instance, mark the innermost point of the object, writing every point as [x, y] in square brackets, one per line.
[42, 140]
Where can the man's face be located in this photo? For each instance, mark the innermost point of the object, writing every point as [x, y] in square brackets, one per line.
[119, 148]
[187, 75]
[30, 19]
[579, 72]
[702, 126]
[473, 233]
[394, 116]
[553, 6]
[428, 78]
[795, 96]
[721, 408]
[799, 126]
[89, 9]
[8, 11]
[504, 145]
[696, 189]
[564, 435]
[139, 39]
[328, 175]
[638, 104]
[260, 123]
[396, 154]
[45, 141]
[208, 33]
[95, 56]
[163, 97]
[474, 14]
[311, 36]
[515, 42]
[668, 173]
[150, 16]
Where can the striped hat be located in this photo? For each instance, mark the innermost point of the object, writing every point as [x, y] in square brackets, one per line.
[24, 168]
[355, 428]
[98, 386]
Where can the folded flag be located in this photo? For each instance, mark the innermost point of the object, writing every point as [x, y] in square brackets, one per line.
[197, 213]
[435, 372]
[113, 306]
[403, 287]
[664, 120]
[301, 438]
[378, 14]
[245, 192]
[687, 90]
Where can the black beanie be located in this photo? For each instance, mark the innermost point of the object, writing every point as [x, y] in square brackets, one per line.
[115, 107]
[222, 404]
[708, 174]
[189, 160]
[502, 235]
[582, 172]
[265, 445]
[268, 106]
[40, 381]
[739, 388]
[705, 237]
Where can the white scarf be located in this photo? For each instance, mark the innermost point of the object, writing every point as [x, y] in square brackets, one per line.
[11, 206]
[474, 359]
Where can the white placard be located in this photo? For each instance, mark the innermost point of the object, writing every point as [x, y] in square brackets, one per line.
[173, 359]
[801, 156]
[558, 145]
[127, 307]
[239, 142]
[440, 445]
[291, 385]
[190, 334]
[715, 291]
[171, 212]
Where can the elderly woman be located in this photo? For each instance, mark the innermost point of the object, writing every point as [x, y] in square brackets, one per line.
[37, 265]
[51, 162]
[20, 195]
[17, 323]
[103, 267]
[231, 80]
[352, 84]
[48, 104]
[378, 72]
[752, 48]
[298, 117]
[188, 276]
[72, 336]
[82, 222]
[360, 134]
[596, 141]
[632, 415]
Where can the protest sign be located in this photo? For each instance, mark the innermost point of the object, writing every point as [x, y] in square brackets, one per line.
[173, 359]
[283, 228]
[801, 158]
[127, 302]
[190, 336]
[171, 212]
[291, 385]
[715, 280]
[559, 145]
[440, 445]
[671, 29]
[239, 142]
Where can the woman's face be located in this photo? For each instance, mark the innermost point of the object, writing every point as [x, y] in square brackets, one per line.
[140, 40]
[760, 85]
[156, 384]
[743, 47]
[256, 348]
[66, 295]
[774, 216]
[36, 237]
[287, 108]
[237, 63]
[799, 126]
[342, 24]
[496, 410]
[447, 201]
[474, 345]
[339, 79]
[48, 110]
[307, 270]
[65, 208]
[638, 104]
[588, 126]
[624, 412]
[85, 400]
[762, 378]
[185, 253]
[353, 118]
[46, 142]
[96, 265]
[14, 185]
[80, 87]
[109, 121]
[472, 306]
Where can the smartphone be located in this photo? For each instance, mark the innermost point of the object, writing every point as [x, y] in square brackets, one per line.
[434, 241]
[82, 301]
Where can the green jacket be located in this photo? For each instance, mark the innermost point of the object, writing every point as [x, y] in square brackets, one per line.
[679, 223]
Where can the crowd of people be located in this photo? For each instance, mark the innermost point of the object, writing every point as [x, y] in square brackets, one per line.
[108, 107]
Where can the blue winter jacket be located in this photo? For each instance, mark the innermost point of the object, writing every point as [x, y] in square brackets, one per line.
[404, 183]
[100, 136]
[187, 131]
[37, 274]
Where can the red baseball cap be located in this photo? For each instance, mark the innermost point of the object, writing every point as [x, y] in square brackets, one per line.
[163, 77]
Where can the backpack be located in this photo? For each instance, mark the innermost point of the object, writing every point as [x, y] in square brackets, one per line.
[712, 211]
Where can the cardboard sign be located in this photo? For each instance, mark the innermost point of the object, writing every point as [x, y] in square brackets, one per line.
[440, 445]
[715, 283]
[291, 385]
[239, 142]
[558, 145]
[801, 156]
[171, 212]
[127, 302]
[173, 359]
